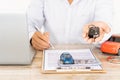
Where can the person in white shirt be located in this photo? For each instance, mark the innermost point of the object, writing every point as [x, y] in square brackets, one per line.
[67, 21]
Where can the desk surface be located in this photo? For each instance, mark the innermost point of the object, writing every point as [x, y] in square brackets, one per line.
[33, 71]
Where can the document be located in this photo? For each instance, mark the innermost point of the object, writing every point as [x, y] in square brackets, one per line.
[83, 59]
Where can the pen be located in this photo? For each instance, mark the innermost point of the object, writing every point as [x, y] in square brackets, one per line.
[49, 41]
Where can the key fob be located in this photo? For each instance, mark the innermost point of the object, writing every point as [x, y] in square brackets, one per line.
[93, 31]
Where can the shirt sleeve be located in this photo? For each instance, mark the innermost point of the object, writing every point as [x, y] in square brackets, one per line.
[104, 12]
[35, 16]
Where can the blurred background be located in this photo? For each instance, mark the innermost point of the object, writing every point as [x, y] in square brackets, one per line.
[116, 16]
[21, 5]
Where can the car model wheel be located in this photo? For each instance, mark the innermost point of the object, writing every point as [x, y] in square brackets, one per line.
[118, 52]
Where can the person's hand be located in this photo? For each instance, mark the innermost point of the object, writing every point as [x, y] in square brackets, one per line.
[40, 41]
[103, 28]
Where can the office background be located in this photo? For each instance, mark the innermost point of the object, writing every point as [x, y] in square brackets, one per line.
[20, 4]
[116, 16]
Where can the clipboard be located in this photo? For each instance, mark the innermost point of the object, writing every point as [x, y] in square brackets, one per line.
[50, 62]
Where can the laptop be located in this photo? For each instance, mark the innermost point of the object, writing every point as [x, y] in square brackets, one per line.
[14, 39]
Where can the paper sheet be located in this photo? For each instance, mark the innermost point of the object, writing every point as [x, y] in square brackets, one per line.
[52, 57]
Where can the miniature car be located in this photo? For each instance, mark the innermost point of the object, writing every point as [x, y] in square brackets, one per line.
[112, 45]
[66, 58]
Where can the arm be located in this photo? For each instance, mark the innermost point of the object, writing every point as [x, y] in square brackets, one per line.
[35, 17]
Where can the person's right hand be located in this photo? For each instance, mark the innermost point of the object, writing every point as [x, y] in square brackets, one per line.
[40, 41]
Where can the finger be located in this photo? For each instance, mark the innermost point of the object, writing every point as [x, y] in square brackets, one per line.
[42, 37]
[46, 34]
[40, 41]
[104, 26]
[91, 40]
[85, 31]
[86, 38]
[39, 44]
[35, 46]
[106, 29]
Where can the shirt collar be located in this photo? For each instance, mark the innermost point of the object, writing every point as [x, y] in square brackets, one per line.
[74, 1]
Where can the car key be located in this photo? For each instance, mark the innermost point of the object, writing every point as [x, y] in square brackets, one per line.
[93, 31]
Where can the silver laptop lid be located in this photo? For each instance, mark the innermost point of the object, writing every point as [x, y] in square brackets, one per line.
[14, 40]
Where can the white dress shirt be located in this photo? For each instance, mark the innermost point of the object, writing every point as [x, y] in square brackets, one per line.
[63, 21]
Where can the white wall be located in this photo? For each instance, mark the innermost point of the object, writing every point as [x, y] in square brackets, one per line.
[9, 6]
[116, 16]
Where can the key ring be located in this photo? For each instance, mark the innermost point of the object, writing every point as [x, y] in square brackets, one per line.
[114, 59]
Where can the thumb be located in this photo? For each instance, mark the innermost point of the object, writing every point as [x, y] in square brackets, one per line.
[85, 30]
[46, 34]
[106, 29]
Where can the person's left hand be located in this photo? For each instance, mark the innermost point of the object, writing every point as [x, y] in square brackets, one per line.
[103, 28]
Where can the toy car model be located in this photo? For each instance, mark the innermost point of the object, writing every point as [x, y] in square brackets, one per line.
[112, 45]
[66, 58]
